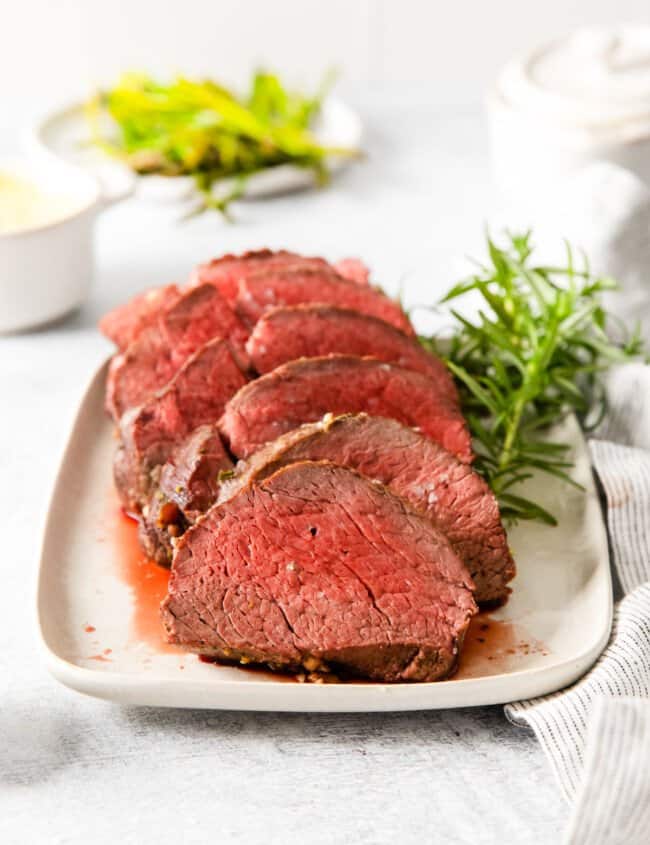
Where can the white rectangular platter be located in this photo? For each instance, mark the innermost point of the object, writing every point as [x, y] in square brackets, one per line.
[97, 604]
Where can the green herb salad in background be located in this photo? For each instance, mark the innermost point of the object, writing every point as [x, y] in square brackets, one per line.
[203, 130]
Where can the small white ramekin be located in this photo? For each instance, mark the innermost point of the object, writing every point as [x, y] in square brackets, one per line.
[547, 124]
[46, 270]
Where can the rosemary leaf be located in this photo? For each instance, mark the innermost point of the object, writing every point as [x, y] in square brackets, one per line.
[534, 353]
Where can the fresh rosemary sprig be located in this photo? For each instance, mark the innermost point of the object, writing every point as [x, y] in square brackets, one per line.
[534, 353]
[201, 129]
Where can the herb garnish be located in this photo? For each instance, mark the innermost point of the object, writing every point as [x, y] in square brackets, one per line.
[200, 128]
[534, 353]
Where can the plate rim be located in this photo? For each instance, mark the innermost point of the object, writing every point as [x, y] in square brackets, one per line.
[136, 690]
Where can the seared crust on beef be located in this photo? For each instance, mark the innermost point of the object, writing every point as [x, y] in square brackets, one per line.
[267, 289]
[196, 395]
[185, 487]
[429, 478]
[226, 272]
[305, 390]
[312, 331]
[316, 565]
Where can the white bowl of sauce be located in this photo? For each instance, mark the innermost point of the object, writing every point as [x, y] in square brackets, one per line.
[579, 99]
[47, 212]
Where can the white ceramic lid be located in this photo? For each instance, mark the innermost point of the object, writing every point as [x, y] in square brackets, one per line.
[595, 80]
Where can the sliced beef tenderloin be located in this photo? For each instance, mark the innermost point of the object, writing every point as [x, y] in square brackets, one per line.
[157, 353]
[311, 331]
[226, 272]
[305, 390]
[124, 324]
[196, 395]
[185, 487]
[454, 497]
[318, 567]
[260, 292]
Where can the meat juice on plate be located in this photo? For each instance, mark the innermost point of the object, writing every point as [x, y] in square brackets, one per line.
[492, 646]
[147, 580]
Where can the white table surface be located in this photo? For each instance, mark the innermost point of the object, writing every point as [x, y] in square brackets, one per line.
[73, 769]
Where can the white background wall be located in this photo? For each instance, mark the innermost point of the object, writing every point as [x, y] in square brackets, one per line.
[54, 49]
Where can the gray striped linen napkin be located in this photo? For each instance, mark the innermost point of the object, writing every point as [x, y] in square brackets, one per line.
[596, 733]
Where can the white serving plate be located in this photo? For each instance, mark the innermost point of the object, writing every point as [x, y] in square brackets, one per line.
[552, 629]
[64, 134]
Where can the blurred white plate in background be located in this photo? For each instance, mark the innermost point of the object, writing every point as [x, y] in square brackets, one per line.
[64, 134]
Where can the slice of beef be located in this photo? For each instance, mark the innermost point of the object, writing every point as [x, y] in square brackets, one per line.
[193, 476]
[454, 497]
[260, 292]
[203, 313]
[196, 395]
[133, 375]
[311, 331]
[185, 487]
[305, 390]
[316, 566]
[157, 353]
[354, 270]
[124, 324]
[226, 272]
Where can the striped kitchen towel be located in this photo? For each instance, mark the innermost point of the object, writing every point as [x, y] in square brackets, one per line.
[596, 733]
